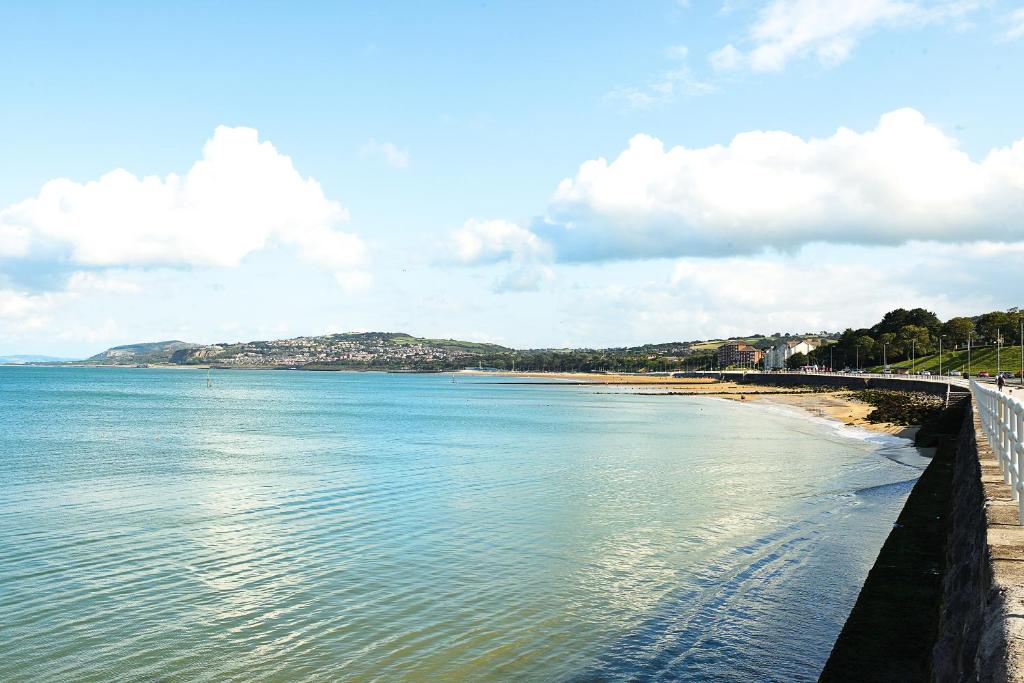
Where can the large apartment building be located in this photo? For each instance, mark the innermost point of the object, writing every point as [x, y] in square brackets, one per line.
[739, 354]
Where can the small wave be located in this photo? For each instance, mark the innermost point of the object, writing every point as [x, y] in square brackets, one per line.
[897, 487]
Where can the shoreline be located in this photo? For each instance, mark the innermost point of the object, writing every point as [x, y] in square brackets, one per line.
[836, 407]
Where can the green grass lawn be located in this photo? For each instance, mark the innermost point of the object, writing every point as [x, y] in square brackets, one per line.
[982, 359]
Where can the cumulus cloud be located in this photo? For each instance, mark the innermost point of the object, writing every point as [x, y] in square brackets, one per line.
[829, 29]
[902, 180]
[483, 242]
[387, 152]
[22, 312]
[490, 241]
[242, 196]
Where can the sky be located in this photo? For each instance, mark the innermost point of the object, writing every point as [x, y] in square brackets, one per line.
[533, 174]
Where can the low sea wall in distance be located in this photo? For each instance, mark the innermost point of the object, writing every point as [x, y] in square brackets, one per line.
[836, 381]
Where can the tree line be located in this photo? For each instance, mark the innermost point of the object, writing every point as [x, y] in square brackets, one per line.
[903, 333]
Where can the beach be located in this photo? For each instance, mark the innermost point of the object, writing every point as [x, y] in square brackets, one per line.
[840, 405]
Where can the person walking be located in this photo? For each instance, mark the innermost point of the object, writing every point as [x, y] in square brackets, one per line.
[1000, 382]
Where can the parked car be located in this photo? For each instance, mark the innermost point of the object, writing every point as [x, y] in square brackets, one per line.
[926, 372]
[983, 374]
[1005, 375]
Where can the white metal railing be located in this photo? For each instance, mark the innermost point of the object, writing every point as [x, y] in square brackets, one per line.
[1002, 418]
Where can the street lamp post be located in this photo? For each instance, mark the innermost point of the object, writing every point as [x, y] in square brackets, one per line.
[913, 356]
[857, 364]
[999, 348]
[885, 361]
[1021, 340]
[940, 355]
[969, 335]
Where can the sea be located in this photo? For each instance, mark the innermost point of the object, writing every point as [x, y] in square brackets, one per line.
[335, 526]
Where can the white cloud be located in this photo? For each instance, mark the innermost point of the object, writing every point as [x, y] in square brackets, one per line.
[87, 281]
[490, 241]
[22, 312]
[830, 29]
[354, 281]
[814, 289]
[242, 196]
[386, 152]
[14, 241]
[526, 277]
[903, 180]
[727, 58]
[1016, 22]
[662, 90]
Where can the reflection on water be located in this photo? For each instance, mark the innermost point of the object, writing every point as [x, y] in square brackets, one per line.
[392, 527]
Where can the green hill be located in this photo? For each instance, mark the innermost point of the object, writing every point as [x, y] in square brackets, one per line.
[150, 352]
[983, 359]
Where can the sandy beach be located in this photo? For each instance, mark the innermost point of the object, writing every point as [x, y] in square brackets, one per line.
[834, 405]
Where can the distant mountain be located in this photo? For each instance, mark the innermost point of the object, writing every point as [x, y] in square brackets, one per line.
[22, 359]
[133, 354]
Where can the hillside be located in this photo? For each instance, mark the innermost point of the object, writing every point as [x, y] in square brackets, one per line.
[363, 350]
[983, 359]
[132, 354]
[400, 351]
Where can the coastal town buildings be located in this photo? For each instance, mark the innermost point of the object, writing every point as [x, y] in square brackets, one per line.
[738, 354]
[776, 357]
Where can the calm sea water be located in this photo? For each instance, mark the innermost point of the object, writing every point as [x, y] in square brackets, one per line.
[334, 526]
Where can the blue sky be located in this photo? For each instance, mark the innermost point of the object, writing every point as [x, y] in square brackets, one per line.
[435, 168]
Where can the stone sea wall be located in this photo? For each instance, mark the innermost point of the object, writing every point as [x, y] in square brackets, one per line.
[837, 382]
[945, 598]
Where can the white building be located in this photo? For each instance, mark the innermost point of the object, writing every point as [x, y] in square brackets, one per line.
[777, 356]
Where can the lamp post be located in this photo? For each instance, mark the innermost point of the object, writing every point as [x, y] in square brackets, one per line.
[940, 355]
[999, 348]
[885, 361]
[969, 335]
[858, 358]
[1020, 339]
[913, 356]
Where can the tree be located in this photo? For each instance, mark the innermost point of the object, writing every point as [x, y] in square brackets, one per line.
[958, 330]
[1015, 316]
[796, 361]
[889, 340]
[867, 346]
[897, 319]
[915, 338]
[989, 325]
